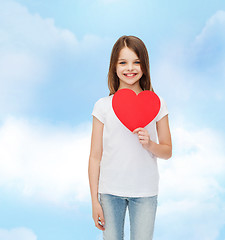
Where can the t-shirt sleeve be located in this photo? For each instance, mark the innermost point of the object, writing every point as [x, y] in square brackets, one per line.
[98, 110]
[163, 110]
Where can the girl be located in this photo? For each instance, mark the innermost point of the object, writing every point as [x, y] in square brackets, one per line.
[123, 168]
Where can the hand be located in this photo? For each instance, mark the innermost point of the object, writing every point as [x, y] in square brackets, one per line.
[144, 137]
[97, 213]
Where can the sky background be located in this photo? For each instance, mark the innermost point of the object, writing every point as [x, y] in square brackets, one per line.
[54, 59]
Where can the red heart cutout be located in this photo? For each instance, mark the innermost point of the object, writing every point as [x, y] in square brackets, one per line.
[135, 110]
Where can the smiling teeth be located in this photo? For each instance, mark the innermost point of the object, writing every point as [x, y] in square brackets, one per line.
[129, 75]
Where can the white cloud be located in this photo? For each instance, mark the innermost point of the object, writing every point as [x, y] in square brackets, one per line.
[25, 31]
[208, 47]
[18, 234]
[45, 162]
[191, 204]
[32, 49]
[214, 27]
[28, 44]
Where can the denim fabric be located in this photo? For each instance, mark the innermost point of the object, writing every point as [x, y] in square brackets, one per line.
[142, 212]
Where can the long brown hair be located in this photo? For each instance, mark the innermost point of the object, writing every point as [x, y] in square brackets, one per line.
[136, 45]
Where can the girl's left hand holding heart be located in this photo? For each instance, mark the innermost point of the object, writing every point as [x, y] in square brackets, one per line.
[144, 137]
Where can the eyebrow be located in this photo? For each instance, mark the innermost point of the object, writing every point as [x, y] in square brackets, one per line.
[125, 59]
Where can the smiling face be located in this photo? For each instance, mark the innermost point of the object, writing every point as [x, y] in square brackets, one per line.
[128, 69]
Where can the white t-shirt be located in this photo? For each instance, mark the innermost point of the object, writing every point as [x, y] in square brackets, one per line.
[126, 169]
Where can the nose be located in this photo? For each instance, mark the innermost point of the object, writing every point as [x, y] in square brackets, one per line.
[130, 66]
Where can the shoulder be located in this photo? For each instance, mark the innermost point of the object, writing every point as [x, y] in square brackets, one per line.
[163, 109]
[104, 100]
[102, 104]
[162, 100]
[101, 107]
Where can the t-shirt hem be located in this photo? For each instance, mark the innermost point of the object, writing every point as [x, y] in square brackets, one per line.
[100, 118]
[122, 194]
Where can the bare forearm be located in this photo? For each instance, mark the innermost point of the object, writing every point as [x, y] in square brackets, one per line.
[93, 173]
[160, 150]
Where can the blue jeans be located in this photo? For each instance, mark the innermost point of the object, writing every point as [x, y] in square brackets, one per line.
[142, 212]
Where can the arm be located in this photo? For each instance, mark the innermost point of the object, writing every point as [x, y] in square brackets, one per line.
[95, 157]
[164, 148]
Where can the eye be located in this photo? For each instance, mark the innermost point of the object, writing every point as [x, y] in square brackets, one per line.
[122, 62]
[137, 62]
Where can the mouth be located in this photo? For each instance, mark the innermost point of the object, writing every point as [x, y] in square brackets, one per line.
[130, 74]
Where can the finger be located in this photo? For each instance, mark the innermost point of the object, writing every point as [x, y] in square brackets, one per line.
[142, 133]
[138, 132]
[99, 226]
[102, 219]
[137, 129]
[143, 142]
[141, 138]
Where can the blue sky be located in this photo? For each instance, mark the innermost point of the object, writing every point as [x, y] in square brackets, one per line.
[53, 68]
